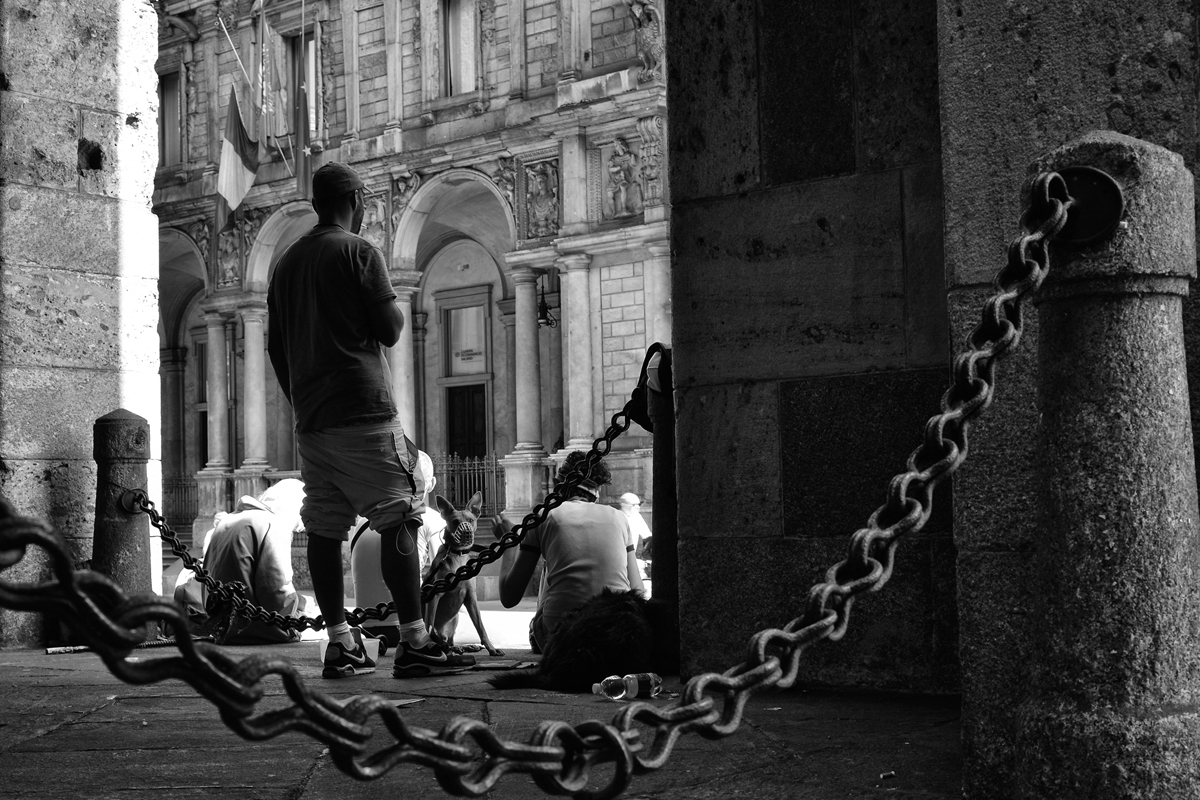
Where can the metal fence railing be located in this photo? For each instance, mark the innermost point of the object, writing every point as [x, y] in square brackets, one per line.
[458, 478]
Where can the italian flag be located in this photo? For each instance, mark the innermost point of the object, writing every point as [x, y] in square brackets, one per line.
[239, 161]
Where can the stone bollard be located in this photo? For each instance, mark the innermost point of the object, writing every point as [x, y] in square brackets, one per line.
[1112, 709]
[663, 608]
[121, 544]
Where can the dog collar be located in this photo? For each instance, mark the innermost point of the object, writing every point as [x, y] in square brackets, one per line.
[460, 552]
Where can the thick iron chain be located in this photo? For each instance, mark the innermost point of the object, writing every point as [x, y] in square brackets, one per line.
[467, 757]
[234, 594]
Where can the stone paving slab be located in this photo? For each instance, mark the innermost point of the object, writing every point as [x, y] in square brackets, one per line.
[68, 728]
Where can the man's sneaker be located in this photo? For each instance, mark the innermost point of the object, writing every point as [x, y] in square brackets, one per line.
[342, 663]
[432, 659]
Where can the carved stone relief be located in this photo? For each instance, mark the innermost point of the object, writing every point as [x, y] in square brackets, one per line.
[228, 258]
[201, 233]
[541, 199]
[376, 221]
[505, 178]
[624, 194]
[651, 48]
[404, 186]
[650, 129]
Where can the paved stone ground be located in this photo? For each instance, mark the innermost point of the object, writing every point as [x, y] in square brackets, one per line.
[69, 729]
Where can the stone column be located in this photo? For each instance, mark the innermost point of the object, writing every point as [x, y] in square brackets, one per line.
[418, 332]
[217, 394]
[525, 468]
[400, 362]
[509, 319]
[658, 293]
[255, 411]
[577, 319]
[1112, 709]
[172, 361]
[529, 390]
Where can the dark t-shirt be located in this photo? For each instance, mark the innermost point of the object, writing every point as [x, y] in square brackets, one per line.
[318, 298]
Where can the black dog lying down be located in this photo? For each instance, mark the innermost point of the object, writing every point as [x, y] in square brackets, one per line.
[608, 635]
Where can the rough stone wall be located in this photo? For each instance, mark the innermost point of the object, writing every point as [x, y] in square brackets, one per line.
[78, 260]
[810, 322]
[1065, 69]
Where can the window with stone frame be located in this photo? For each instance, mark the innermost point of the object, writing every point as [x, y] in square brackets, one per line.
[459, 37]
[170, 118]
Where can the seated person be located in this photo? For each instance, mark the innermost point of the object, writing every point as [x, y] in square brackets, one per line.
[369, 588]
[588, 547]
[252, 545]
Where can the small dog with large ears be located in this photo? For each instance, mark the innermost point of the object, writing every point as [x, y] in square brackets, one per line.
[441, 611]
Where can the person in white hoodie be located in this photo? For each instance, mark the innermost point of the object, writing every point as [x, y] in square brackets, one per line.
[253, 544]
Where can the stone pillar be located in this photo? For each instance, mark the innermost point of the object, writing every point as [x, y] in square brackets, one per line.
[529, 390]
[508, 319]
[663, 610]
[577, 319]
[172, 361]
[400, 362]
[554, 423]
[217, 394]
[657, 274]
[255, 412]
[574, 194]
[419, 319]
[1111, 711]
[121, 546]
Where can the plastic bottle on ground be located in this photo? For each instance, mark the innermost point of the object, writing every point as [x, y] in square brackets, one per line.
[637, 685]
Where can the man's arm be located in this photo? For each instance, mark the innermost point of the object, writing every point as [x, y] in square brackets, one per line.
[513, 582]
[635, 574]
[278, 357]
[386, 322]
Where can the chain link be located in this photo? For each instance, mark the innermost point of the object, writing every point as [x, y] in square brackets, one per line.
[466, 756]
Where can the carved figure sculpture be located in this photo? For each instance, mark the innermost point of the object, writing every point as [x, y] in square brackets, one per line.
[651, 48]
[227, 257]
[375, 218]
[542, 199]
[506, 179]
[624, 190]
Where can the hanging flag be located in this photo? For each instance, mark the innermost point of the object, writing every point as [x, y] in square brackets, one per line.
[304, 157]
[239, 164]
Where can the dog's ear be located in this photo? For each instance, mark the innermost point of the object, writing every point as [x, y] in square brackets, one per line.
[475, 504]
[443, 506]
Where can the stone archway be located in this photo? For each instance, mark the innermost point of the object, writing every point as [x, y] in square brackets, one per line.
[460, 211]
[459, 200]
[282, 228]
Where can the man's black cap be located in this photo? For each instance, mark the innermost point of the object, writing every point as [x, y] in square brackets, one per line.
[334, 180]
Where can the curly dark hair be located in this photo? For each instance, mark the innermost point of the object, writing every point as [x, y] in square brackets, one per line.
[576, 461]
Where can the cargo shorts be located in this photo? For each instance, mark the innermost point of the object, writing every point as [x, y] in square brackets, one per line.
[359, 470]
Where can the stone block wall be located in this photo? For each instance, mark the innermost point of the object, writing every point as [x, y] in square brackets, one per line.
[622, 332]
[372, 68]
[78, 265]
[541, 43]
[810, 336]
[612, 33]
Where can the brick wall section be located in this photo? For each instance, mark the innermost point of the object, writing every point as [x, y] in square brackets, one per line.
[612, 33]
[372, 68]
[541, 43]
[622, 332]
[410, 65]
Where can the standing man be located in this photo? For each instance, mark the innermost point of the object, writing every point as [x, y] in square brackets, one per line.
[332, 312]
